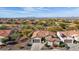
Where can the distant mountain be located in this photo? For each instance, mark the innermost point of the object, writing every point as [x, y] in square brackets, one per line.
[34, 18]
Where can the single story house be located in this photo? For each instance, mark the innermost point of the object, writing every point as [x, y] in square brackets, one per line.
[68, 36]
[42, 36]
[4, 34]
[42, 33]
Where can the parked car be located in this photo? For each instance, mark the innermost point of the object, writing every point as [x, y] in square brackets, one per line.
[11, 42]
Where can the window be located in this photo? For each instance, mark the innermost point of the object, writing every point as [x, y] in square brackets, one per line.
[36, 41]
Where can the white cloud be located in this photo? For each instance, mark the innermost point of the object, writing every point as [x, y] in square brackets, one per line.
[31, 9]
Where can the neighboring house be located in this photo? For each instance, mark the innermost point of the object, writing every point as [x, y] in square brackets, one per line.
[68, 36]
[42, 36]
[42, 33]
[4, 34]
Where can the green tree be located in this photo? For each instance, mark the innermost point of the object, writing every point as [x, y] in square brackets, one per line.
[39, 27]
[55, 29]
[63, 25]
[15, 35]
[3, 27]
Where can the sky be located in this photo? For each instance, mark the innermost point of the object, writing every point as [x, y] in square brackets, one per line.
[14, 12]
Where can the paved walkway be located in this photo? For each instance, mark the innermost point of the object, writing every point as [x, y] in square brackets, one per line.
[37, 46]
[74, 47]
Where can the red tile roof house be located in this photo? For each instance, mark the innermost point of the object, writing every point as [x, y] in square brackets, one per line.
[42, 33]
[68, 36]
[49, 36]
[4, 34]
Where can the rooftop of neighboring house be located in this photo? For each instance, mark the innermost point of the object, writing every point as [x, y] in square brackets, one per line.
[42, 33]
[5, 32]
[53, 39]
[70, 33]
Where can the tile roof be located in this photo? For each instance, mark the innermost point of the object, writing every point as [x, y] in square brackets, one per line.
[5, 32]
[52, 39]
[42, 33]
[70, 33]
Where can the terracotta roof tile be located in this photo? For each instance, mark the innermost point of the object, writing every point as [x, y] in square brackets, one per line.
[70, 33]
[42, 33]
[52, 39]
[5, 32]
